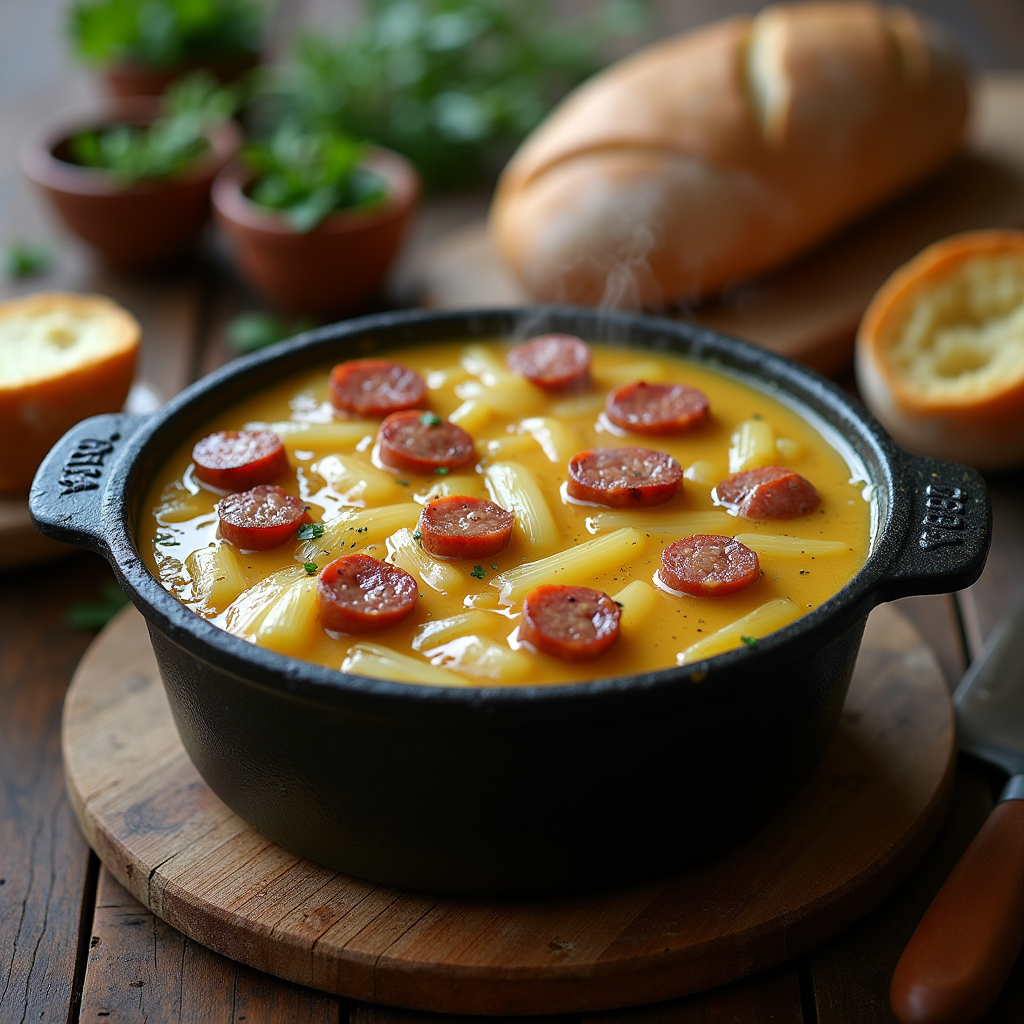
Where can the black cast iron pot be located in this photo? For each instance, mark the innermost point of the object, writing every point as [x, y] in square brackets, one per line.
[509, 791]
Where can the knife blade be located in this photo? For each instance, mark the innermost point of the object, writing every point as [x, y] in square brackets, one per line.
[963, 950]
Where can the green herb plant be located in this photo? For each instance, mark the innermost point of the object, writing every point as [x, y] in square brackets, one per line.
[162, 33]
[451, 84]
[165, 148]
[94, 615]
[26, 259]
[307, 175]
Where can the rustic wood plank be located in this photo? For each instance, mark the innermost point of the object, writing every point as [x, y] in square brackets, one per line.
[363, 1013]
[43, 857]
[143, 970]
[770, 996]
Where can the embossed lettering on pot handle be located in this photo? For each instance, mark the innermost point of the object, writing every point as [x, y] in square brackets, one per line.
[949, 529]
[68, 489]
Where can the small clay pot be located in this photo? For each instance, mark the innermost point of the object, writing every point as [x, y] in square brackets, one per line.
[150, 224]
[129, 79]
[337, 268]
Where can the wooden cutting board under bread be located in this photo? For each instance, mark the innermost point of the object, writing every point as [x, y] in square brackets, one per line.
[850, 835]
[810, 310]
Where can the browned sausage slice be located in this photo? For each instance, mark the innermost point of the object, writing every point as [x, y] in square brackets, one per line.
[375, 387]
[624, 477]
[656, 408]
[358, 594]
[235, 460]
[571, 623]
[555, 362]
[460, 526]
[421, 442]
[772, 492]
[261, 518]
[707, 565]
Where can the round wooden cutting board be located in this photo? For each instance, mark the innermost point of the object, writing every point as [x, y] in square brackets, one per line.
[854, 830]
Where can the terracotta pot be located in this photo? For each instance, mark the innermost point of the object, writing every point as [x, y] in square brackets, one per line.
[339, 266]
[145, 225]
[128, 79]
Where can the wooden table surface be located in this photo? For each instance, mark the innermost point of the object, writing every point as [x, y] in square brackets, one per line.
[73, 945]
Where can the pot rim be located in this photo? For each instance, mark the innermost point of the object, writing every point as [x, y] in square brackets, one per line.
[882, 577]
[41, 166]
[232, 204]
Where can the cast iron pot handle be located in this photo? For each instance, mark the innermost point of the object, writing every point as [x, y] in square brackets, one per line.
[68, 490]
[949, 529]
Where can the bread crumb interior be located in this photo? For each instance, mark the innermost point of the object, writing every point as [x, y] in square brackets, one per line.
[963, 338]
[39, 345]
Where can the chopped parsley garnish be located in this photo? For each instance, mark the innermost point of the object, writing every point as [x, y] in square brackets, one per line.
[311, 568]
[311, 531]
[441, 471]
[619, 603]
[417, 534]
[403, 483]
[479, 572]
[430, 419]
[750, 641]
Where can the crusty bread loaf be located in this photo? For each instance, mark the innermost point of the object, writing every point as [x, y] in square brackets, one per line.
[940, 351]
[718, 155]
[62, 358]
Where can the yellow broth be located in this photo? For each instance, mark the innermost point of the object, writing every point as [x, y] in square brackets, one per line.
[517, 425]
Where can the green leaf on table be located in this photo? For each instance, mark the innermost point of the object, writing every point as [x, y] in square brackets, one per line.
[26, 259]
[249, 332]
[94, 615]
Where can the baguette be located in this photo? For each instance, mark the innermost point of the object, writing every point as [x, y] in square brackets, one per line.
[63, 357]
[723, 153]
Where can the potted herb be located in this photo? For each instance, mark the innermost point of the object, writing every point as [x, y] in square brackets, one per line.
[145, 45]
[316, 219]
[136, 186]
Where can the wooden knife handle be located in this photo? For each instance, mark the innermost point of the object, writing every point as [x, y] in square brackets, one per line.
[961, 953]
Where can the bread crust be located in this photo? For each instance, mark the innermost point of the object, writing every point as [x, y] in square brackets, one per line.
[982, 427]
[35, 412]
[721, 154]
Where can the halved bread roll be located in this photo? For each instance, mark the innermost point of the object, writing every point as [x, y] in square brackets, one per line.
[723, 153]
[940, 351]
[63, 357]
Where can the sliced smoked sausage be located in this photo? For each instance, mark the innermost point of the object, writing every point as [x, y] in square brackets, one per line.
[707, 565]
[235, 460]
[656, 408]
[571, 623]
[624, 477]
[421, 442]
[772, 492]
[460, 526]
[555, 362]
[261, 518]
[358, 594]
[375, 387]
